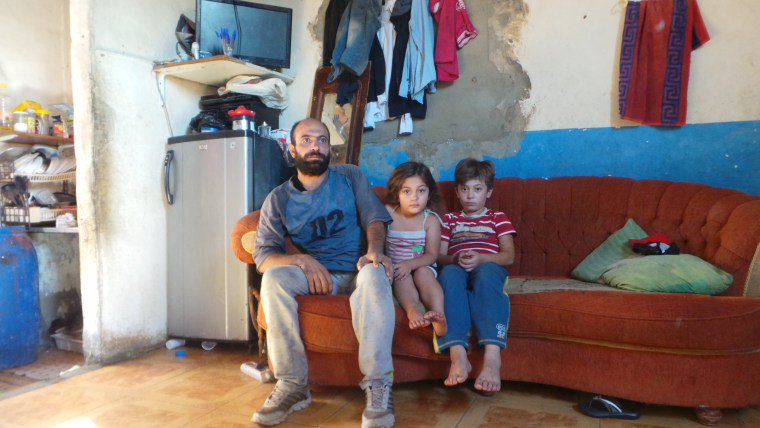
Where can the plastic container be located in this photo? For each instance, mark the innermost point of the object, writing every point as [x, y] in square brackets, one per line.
[6, 118]
[42, 124]
[265, 130]
[20, 121]
[59, 128]
[242, 118]
[174, 343]
[19, 298]
[258, 371]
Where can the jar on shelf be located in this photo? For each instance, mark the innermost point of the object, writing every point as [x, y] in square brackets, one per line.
[42, 124]
[59, 128]
[20, 121]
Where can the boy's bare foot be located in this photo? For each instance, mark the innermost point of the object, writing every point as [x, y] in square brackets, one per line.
[460, 366]
[440, 326]
[489, 379]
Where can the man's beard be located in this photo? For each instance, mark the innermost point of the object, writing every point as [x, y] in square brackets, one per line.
[312, 167]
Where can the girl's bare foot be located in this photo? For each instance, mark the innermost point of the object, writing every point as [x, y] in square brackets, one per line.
[440, 327]
[489, 379]
[418, 323]
[460, 366]
[417, 319]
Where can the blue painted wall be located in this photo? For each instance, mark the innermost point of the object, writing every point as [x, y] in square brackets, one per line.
[723, 154]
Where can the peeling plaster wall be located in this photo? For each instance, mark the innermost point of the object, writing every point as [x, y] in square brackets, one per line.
[537, 94]
[478, 113]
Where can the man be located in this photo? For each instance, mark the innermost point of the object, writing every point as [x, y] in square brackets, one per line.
[334, 216]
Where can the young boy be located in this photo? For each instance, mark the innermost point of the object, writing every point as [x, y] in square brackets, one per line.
[476, 246]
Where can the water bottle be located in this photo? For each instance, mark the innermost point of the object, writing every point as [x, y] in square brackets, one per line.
[6, 120]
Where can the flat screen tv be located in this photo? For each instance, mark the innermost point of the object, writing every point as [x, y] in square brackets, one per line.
[262, 31]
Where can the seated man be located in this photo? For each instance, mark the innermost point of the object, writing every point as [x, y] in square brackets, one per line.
[334, 216]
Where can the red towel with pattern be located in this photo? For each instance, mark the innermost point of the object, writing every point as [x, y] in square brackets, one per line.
[658, 37]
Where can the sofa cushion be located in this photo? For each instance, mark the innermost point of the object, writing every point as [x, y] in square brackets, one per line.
[615, 248]
[671, 323]
[682, 273]
[668, 322]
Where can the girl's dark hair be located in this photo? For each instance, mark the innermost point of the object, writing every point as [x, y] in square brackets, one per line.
[471, 169]
[404, 171]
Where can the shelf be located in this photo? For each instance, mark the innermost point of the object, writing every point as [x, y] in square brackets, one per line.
[49, 178]
[7, 136]
[215, 70]
[34, 229]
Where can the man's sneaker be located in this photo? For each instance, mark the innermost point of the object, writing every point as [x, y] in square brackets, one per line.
[281, 403]
[379, 410]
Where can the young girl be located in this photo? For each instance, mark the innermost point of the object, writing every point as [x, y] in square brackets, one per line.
[412, 242]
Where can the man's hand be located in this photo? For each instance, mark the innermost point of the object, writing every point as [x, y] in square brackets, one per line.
[376, 259]
[318, 277]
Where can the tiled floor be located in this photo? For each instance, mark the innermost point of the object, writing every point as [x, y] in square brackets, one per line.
[207, 389]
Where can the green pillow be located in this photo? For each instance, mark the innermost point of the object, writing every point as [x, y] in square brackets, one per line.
[682, 273]
[612, 250]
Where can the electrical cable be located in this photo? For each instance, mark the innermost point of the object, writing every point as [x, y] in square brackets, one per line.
[163, 104]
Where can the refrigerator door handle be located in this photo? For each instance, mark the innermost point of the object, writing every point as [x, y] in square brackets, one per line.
[167, 166]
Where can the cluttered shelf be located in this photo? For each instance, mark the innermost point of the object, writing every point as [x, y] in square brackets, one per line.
[26, 173]
[215, 70]
[27, 138]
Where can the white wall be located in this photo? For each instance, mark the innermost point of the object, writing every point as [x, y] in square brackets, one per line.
[570, 50]
[35, 61]
[121, 136]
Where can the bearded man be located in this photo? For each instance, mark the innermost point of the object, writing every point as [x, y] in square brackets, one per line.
[332, 214]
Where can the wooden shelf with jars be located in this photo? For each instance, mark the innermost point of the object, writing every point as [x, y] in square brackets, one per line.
[8, 136]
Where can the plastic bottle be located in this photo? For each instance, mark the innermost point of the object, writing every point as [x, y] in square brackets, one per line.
[174, 343]
[258, 371]
[6, 120]
[42, 125]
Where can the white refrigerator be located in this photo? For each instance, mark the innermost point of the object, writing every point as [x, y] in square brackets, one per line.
[211, 180]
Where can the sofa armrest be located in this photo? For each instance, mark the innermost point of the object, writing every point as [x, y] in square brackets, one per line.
[243, 236]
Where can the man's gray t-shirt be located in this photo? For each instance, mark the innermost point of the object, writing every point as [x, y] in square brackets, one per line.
[327, 223]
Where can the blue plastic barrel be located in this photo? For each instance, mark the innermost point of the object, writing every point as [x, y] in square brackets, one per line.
[19, 298]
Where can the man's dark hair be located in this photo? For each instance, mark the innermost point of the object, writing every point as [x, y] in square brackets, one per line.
[293, 129]
[471, 169]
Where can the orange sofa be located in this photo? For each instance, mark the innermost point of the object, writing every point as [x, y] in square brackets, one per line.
[663, 348]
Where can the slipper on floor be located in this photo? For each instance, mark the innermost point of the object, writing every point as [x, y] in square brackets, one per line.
[601, 407]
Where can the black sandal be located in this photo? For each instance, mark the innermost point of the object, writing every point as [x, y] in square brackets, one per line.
[601, 407]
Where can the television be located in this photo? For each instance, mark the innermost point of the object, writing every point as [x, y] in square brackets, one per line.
[262, 31]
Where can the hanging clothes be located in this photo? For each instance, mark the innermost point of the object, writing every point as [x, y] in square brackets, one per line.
[333, 14]
[419, 74]
[655, 56]
[378, 111]
[356, 31]
[377, 71]
[398, 105]
[454, 32]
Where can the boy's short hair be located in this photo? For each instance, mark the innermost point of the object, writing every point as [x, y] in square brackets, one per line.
[471, 169]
